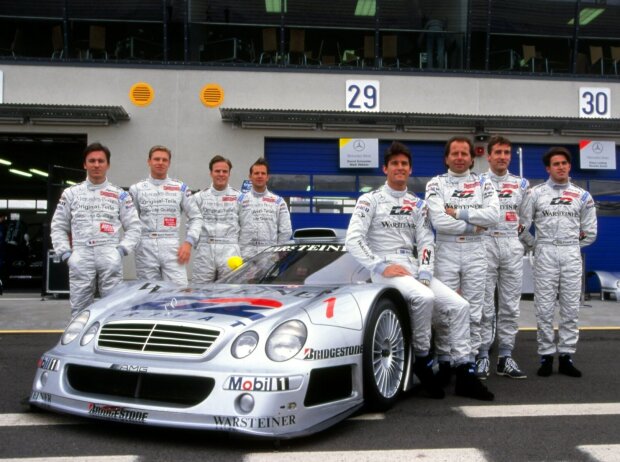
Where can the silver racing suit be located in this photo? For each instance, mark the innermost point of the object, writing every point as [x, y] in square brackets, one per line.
[461, 259]
[264, 219]
[504, 254]
[389, 226]
[565, 220]
[219, 239]
[86, 230]
[160, 205]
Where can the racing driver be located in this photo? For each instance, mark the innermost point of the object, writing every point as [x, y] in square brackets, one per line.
[219, 239]
[86, 227]
[160, 201]
[565, 220]
[504, 252]
[263, 216]
[388, 228]
[462, 205]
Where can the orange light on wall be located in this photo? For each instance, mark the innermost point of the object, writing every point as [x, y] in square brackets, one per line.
[141, 94]
[212, 95]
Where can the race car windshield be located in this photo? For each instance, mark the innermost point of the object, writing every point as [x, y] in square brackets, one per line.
[292, 264]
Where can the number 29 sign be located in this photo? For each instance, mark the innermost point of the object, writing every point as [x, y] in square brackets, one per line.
[362, 95]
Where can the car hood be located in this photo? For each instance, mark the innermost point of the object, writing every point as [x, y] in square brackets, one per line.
[217, 304]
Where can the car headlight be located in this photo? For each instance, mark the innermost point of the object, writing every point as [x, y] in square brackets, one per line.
[244, 344]
[90, 334]
[286, 340]
[75, 327]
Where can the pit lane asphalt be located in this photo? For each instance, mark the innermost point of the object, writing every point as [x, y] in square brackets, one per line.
[414, 423]
[28, 312]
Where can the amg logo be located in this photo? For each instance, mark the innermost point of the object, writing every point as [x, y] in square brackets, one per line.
[117, 413]
[237, 382]
[225, 422]
[129, 368]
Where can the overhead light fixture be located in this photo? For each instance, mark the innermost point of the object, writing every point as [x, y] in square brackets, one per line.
[275, 6]
[20, 172]
[69, 121]
[423, 129]
[360, 127]
[589, 134]
[5, 162]
[587, 15]
[71, 183]
[366, 8]
[8, 120]
[279, 125]
[520, 131]
[38, 172]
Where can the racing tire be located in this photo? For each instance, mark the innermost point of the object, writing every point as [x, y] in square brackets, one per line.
[385, 356]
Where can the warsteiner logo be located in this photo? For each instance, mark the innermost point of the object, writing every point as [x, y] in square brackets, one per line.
[463, 194]
[562, 201]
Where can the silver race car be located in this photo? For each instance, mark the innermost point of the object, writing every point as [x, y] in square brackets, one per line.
[291, 342]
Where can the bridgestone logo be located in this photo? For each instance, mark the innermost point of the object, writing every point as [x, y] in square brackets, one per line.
[311, 354]
[117, 413]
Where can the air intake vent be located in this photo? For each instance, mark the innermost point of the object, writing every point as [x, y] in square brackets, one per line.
[212, 95]
[157, 338]
[141, 94]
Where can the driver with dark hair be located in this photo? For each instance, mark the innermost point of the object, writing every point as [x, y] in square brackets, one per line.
[388, 227]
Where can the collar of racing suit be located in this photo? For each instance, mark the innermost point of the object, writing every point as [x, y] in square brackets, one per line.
[394, 192]
[552, 184]
[91, 185]
[493, 176]
[217, 192]
[259, 194]
[460, 175]
[157, 181]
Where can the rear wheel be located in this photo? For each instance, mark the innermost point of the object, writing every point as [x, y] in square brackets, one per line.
[385, 356]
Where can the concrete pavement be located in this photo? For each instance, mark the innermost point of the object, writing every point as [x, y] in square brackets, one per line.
[28, 311]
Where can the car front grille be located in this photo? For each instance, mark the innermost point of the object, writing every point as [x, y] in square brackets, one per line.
[140, 388]
[157, 338]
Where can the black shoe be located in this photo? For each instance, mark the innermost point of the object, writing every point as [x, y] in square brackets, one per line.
[444, 373]
[470, 386]
[567, 367]
[423, 369]
[546, 366]
[508, 367]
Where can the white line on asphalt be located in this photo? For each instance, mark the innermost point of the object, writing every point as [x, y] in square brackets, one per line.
[370, 416]
[76, 458]
[540, 410]
[29, 420]
[602, 452]
[398, 455]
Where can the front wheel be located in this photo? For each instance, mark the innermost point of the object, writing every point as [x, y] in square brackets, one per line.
[385, 356]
